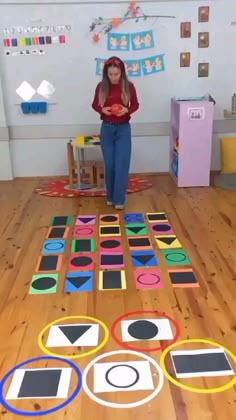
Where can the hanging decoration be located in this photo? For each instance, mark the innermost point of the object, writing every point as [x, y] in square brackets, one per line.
[137, 67]
[105, 25]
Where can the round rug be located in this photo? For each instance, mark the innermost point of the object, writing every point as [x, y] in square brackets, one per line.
[61, 188]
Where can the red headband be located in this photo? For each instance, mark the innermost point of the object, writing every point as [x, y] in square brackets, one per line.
[113, 61]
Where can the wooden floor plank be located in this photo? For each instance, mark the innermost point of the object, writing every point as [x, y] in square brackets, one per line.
[204, 220]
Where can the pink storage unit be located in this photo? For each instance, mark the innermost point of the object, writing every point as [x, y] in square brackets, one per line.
[191, 142]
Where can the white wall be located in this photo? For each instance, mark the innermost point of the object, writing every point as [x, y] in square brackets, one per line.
[45, 157]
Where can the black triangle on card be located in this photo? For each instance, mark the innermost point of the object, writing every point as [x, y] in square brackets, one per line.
[135, 229]
[86, 219]
[167, 241]
[78, 281]
[74, 332]
[144, 259]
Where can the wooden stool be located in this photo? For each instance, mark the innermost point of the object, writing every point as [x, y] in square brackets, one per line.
[87, 172]
[99, 174]
[86, 167]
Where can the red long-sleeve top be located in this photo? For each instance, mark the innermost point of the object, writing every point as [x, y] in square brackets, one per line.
[114, 97]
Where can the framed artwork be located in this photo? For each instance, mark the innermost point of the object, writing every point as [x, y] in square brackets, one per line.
[203, 14]
[185, 59]
[185, 30]
[203, 39]
[203, 69]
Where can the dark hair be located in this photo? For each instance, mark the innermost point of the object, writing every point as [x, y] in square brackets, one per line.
[105, 84]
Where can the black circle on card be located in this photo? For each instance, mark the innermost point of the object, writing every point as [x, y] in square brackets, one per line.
[110, 243]
[122, 386]
[109, 218]
[173, 259]
[161, 228]
[82, 261]
[156, 279]
[43, 283]
[143, 329]
[59, 245]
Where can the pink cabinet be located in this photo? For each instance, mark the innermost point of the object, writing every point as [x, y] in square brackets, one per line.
[191, 142]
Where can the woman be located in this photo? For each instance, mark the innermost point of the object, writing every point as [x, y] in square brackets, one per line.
[115, 89]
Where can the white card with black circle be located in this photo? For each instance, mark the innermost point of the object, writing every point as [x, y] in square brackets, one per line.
[201, 363]
[69, 335]
[122, 376]
[146, 329]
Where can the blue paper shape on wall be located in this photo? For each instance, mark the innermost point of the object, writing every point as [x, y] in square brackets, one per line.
[34, 107]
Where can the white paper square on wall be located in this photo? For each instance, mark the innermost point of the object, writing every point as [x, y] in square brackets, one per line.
[46, 89]
[25, 91]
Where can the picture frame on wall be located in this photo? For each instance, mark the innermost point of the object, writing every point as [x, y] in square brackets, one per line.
[203, 39]
[185, 58]
[185, 30]
[203, 14]
[203, 69]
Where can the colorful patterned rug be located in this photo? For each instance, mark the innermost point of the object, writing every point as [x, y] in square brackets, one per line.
[61, 188]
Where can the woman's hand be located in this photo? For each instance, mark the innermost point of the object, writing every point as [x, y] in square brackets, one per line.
[123, 112]
[106, 110]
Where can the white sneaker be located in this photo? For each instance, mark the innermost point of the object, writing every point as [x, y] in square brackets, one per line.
[119, 207]
[109, 203]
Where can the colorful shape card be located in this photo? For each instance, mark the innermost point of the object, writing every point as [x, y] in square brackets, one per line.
[57, 232]
[183, 277]
[176, 257]
[84, 231]
[48, 263]
[109, 219]
[79, 281]
[144, 258]
[85, 220]
[136, 229]
[148, 278]
[43, 283]
[112, 230]
[167, 242]
[157, 217]
[81, 261]
[112, 280]
[61, 220]
[83, 245]
[139, 242]
[54, 246]
[110, 244]
[161, 228]
[134, 218]
[112, 260]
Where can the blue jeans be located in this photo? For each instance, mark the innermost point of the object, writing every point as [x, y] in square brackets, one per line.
[116, 150]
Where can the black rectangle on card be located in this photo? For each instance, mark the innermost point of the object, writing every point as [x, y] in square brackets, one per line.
[139, 242]
[199, 364]
[110, 230]
[182, 277]
[57, 233]
[40, 383]
[112, 259]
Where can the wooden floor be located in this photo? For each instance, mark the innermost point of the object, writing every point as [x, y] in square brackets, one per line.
[204, 220]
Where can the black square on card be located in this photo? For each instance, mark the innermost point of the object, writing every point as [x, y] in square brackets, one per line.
[112, 280]
[57, 233]
[60, 220]
[82, 245]
[40, 383]
[48, 262]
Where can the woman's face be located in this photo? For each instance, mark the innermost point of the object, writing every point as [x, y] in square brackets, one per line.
[114, 74]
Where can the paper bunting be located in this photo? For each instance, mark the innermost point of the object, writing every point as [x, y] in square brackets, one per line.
[137, 67]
